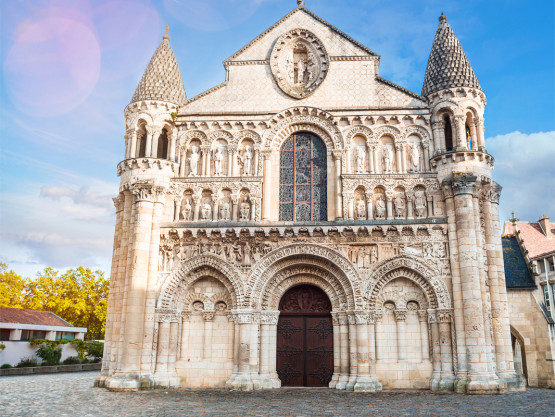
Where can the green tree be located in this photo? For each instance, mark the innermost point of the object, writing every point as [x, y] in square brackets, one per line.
[79, 296]
[12, 288]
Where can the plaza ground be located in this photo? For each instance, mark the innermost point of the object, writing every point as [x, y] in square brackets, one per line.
[74, 395]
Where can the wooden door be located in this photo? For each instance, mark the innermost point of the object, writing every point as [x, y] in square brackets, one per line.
[305, 338]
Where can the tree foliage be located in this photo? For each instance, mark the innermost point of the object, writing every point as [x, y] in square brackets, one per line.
[79, 296]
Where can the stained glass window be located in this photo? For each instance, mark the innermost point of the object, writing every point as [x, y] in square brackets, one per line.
[303, 179]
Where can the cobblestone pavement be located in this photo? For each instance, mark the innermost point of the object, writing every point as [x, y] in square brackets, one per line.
[73, 395]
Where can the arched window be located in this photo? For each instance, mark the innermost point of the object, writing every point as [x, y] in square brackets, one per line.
[141, 139]
[303, 179]
[448, 134]
[163, 145]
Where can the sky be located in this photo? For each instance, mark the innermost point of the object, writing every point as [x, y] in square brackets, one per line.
[69, 68]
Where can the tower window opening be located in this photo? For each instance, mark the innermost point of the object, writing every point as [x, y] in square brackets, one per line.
[448, 134]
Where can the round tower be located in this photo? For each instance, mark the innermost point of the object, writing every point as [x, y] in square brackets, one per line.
[142, 205]
[471, 198]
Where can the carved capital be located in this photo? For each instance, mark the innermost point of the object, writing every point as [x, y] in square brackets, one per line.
[269, 317]
[143, 191]
[422, 315]
[378, 316]
[266, 154]
[208, 315]
[337, 154]
[432, 318]
[460, 183]
[400, 315]
[444, 316]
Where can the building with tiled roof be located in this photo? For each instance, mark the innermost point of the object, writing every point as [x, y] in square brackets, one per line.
[529, 260]
[18, 326]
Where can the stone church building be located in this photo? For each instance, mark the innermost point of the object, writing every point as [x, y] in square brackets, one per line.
[308, 223]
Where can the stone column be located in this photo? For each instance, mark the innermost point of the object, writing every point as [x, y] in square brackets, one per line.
[232, 317]
[234, 208]
[203, 152]
[131, 147]
[436, 351]
[446, 349]
[364, 382]
[350, 199]
[129, 375]
[344, 347]
[424, 338]
[267, 185]
[215, 209]
[426, 148]
[371, 158]
[398, 158]
[196, 208]
[166, 348]
[155, 139]
[376, 158]
[185, 334]
[208, 169]
[369, 208]
[480, 134]
[248, 335]
[403, 157]
[460, 133]
[498, 290]
[336, 349]
[442, 144]
[480, 380]
[436, 137]
[177, 207]
[268, 338]
[172, 144]
[182, 162]
[229, 163]
[150, 131]
[336, 153]
[389, 203]
[378, 316]
[400, 317]
[353, 362]
[256, 159]
[410, 203]
[255, 202]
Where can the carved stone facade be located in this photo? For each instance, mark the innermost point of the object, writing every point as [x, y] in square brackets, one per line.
[406, 246]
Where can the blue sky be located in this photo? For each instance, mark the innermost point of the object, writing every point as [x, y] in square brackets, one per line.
[69, 68]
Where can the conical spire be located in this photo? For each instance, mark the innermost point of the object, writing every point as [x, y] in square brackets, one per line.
[162, 78]
[447, 66]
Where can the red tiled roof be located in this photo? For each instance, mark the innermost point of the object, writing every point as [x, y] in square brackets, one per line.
[42, 318]
[535, 241]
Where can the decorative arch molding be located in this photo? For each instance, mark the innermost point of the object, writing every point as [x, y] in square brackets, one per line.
[359, 130]
[417, 130]
[408, 267]
[247, 134]
[445, 105]
[401, 299]
[298, 119]
[141, 116]
[310, 255]
[292, 277]
[220, 134]
[193, 134]
[196, 268]
[387, 130]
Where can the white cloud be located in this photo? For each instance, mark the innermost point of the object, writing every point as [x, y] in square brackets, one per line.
[525, 167]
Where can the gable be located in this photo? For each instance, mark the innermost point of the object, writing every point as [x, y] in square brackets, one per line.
[335, 41]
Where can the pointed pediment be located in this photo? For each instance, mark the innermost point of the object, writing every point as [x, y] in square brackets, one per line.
[336, 42]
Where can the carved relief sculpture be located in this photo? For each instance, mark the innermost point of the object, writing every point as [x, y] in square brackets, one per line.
[420, 203]
[387, 159]
[218, 162]
[193, 161]
[206, 211]
[414, 157]
[399, 203]
[361, 160]
[380, 207]
[246, 160]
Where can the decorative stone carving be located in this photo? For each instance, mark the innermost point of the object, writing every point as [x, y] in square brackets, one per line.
[194, 161]
[414, 157]
[400, 207]
[360, 160]
[299, 63]
[219, 162]
[380, 207]
[246, 160]
[420, 203]
[388, 159]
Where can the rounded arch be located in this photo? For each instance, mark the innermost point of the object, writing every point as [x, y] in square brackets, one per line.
[147, 118]
[196, 268]
[279, 265]
[306, 119]
[445, 107]
[408, 267]
[358, 130]
[387, 130]
[220, 134]
[194, 134]
[418, 131]
[247, 134]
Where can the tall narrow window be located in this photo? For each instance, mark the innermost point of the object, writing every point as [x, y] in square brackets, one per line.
[303, 179]
[448, 134]
[141, 145]
[163, 145]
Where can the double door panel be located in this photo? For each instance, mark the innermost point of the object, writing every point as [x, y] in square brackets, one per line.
[305, 350]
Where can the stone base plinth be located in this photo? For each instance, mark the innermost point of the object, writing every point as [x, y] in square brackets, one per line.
[129, 381]
[367, 384]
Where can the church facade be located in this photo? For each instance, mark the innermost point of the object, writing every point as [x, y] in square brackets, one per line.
[308, 223]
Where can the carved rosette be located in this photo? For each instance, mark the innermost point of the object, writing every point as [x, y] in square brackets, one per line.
[299, 63]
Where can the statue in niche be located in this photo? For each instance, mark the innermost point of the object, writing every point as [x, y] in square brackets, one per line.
[420, 203]
[206, 211]
[244, 210]
[247, 260]
[428, 249]
[380, 207]
[361, 209]
[399, 203]
[246, 160]
[236, 254]
[225, 211]
[360, 160]
[193, 161]
[256, 253]
[187, 210]
[414, 157]
[218, 162]
[374, 255]
[388, 159]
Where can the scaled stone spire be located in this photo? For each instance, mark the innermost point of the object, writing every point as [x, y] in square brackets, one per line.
[162, 78]
[447, 65]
